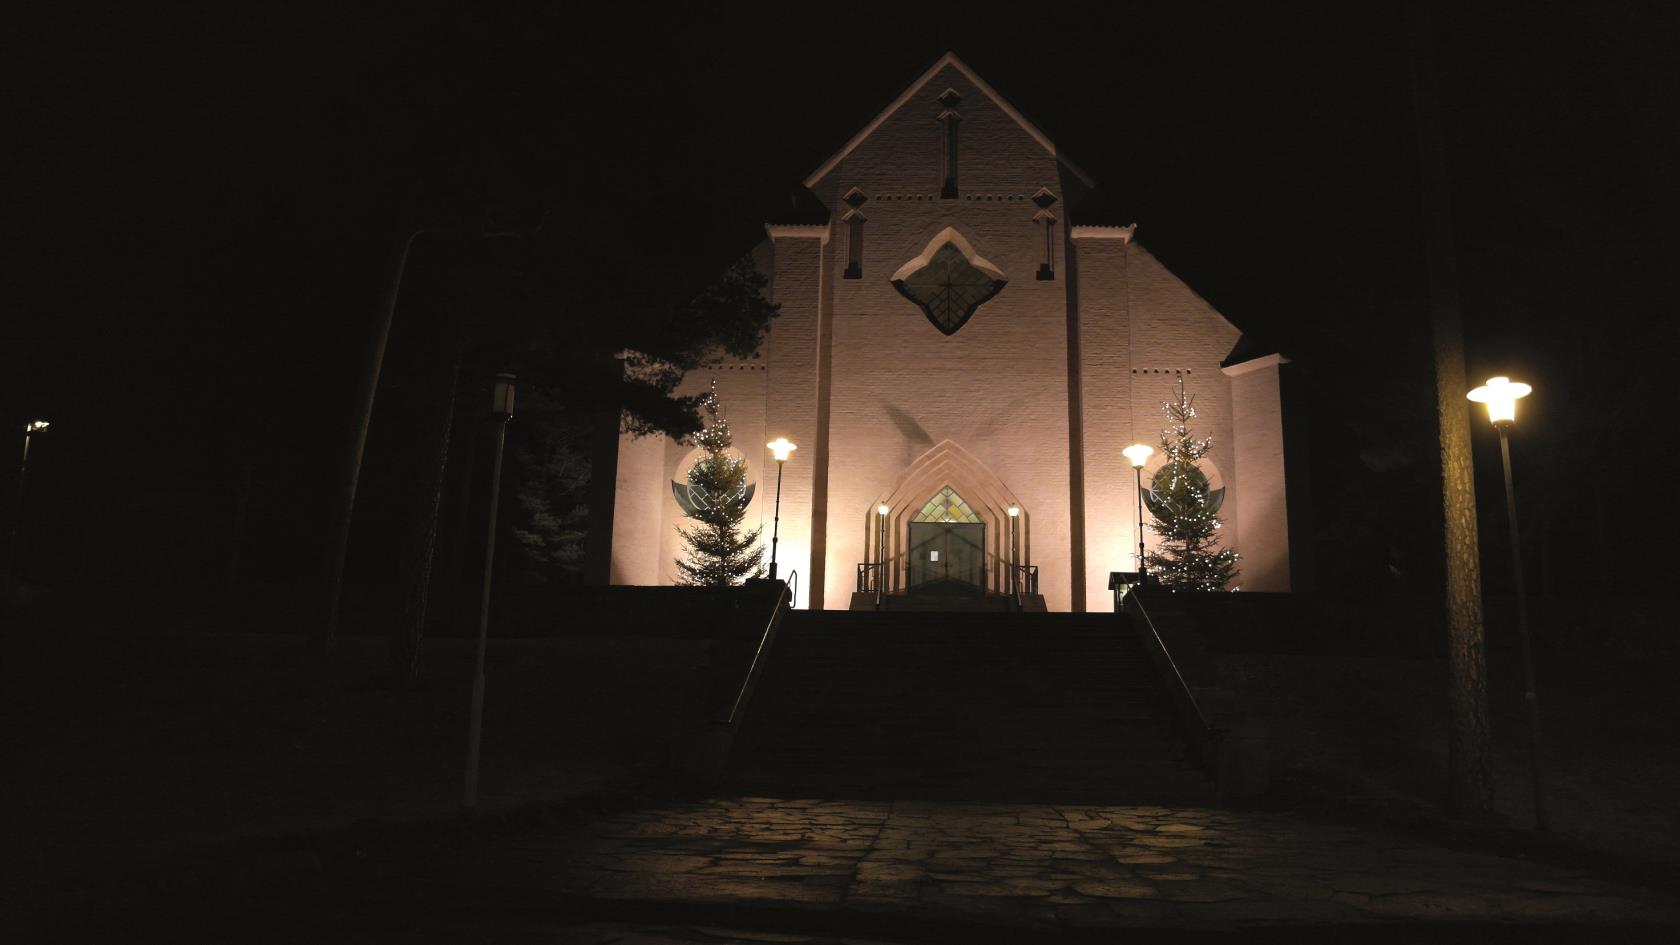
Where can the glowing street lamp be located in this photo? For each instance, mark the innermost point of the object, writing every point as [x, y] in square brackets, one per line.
[1139, 454]
[30, 429]
[881, 512]
[1501, 394]
[781, 449]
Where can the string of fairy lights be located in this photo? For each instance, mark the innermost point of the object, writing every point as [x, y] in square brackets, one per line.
[1186, 510]
[717, 466]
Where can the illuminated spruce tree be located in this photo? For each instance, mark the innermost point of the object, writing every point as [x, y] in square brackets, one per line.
[1186, 511]
[720, 553]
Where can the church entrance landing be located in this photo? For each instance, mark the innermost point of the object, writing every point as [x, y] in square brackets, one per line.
[930, 547]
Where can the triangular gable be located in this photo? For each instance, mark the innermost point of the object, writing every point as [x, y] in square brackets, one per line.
[949, 59]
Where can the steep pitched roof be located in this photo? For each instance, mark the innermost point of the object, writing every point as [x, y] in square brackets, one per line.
[949, 59]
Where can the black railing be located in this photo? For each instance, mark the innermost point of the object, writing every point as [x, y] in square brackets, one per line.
[1204, 737]
[1016, 581]
[871, 576]
[1023, 582]
[785, 599]
[872, 579]
[1025, 578]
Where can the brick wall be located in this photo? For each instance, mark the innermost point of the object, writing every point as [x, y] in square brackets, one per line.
[1262, 514]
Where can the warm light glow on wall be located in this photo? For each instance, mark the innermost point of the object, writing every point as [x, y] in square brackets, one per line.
[796, 559]
[882, 510]
[1014, 510]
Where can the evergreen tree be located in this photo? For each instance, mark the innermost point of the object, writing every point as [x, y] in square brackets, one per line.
[1186, 512]
[720, 553]
[551, 474]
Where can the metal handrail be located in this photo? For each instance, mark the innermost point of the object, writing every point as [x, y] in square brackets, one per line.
[1203, 735]
[1029, 577]
[870, 575]
[1019, 581]
[1026, 583]
[873, 576]
[789, 593]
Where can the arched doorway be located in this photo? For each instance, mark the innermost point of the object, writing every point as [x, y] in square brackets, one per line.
[947, 546]
[947, 501]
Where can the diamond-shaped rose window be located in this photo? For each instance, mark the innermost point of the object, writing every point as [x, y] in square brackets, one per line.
[949, 287]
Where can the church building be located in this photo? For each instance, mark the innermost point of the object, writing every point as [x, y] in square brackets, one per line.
[960, 359]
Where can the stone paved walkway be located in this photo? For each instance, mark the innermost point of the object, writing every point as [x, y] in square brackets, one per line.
[1052, 867]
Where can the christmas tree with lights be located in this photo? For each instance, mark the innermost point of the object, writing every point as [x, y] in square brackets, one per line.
[1186, 511]
[720, 553]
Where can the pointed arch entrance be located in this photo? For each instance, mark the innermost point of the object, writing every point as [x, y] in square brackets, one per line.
[948, 501]
[947, 545]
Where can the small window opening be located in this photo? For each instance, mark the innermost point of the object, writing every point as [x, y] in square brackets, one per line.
[854, 244]
[1047, 266]
[950, 119]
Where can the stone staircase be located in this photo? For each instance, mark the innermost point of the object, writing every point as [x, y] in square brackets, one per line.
[963, 706]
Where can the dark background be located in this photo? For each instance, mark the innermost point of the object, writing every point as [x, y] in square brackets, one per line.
[199, 206]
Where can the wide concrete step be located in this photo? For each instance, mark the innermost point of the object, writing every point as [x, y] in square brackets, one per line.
[1173, 787]
[963, 705]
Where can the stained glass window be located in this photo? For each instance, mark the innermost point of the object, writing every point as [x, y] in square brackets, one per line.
[949, 288]
[947, 506]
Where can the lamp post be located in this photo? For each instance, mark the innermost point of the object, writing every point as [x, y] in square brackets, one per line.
[1501, 394]
[781, 449]
[881, 551]
[31, 428]
[1139, 454]
[1014, 550]
[501, 407]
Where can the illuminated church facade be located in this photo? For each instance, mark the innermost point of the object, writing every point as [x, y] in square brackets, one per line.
[953, 342]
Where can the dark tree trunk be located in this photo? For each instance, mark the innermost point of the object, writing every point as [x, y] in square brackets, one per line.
[1601, 540]
[361, 415]
[458, 539]
[241, 509]
[419, 551]
[1469, 750]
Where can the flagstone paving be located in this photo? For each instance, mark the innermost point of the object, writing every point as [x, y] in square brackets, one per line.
[1042, 866]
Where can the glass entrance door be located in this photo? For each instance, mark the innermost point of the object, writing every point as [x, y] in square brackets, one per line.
[947, 552]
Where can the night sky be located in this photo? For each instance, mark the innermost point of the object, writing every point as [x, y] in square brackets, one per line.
[199, 204]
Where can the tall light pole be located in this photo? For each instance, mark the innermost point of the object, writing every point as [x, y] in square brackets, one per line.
[1139, 454]
[881, 550]
[1501, 394]
[31, 428]
[781, 449]
[501, 407]
[1014, 551]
